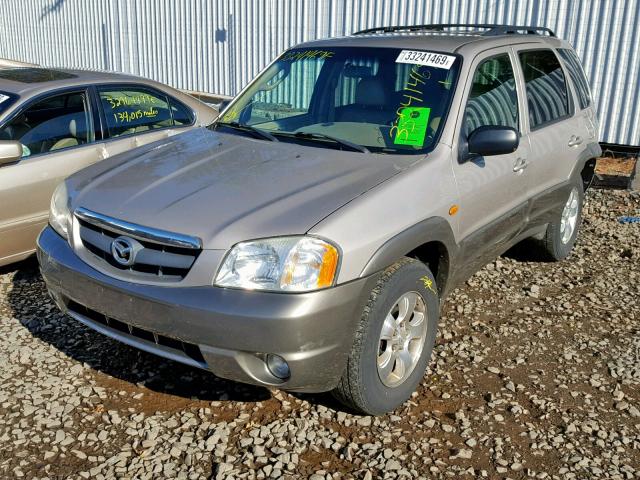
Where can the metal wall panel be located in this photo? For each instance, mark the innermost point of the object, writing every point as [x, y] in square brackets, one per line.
[220, 45]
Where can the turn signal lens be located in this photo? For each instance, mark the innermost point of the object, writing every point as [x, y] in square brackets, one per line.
[311, 265]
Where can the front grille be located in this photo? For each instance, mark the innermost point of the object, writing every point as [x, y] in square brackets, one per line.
[181, 348]
[158, 260]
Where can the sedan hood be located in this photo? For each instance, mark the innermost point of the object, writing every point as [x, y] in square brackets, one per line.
[226, 188]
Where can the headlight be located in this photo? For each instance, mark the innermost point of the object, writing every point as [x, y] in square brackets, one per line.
[59, 213]
[293, 264]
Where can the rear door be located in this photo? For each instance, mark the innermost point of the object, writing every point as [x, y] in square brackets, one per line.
[492, 189]
[584, 105]
[58, 137]
[555, 132]
[134, 115]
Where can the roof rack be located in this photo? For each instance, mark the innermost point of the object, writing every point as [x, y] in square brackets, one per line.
[492, 29]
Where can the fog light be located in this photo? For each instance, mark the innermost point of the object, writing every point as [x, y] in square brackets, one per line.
[278, 366]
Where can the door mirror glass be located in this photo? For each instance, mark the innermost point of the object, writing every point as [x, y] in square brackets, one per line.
[10, 151]
[493, 140]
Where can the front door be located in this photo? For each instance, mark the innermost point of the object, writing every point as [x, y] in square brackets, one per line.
[556, 134]
[58, 139]
[492, 189]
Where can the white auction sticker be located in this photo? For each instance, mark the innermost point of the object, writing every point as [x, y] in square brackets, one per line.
[3, 98]
[428, 59]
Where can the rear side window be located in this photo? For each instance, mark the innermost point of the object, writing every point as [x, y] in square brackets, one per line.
[131, 110]
[579, 79]
[493, 100]
[546, 87]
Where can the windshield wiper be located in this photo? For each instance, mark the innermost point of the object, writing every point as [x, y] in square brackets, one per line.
[248, 128]
[339, 141]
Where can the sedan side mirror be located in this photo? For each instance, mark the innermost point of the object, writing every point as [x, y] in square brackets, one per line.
[493, 140]
[10, 151]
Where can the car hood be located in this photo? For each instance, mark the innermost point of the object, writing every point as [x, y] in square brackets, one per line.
[226, 188]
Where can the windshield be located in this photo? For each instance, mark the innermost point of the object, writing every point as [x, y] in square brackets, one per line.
[387, 100]
[6, 99]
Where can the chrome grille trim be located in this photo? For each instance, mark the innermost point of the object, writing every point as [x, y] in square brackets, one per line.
[139, 232]
[160, 256]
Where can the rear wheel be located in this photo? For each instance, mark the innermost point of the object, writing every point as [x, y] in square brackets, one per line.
[394, 340]
[562, 233]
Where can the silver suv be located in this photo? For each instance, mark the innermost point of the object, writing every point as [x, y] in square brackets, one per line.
[306, 239]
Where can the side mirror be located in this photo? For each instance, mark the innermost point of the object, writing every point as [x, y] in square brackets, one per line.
[10, 151]
[493, 140]
[223, 104]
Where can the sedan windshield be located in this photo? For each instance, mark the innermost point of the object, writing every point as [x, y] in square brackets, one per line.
[382, 100]
[6, 99]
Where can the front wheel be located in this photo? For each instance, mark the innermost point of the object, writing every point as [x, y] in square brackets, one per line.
[562, 233]
[394, 340]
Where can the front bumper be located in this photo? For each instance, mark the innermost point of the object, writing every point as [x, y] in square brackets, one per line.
[226, 331]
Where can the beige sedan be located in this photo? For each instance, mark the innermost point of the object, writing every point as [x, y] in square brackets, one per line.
[55, 122]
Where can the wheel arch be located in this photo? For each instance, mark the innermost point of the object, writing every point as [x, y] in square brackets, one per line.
[586, 165]
[430, 241]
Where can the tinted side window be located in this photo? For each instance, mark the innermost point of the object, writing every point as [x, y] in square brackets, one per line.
[180, 113]
[493, 99]
[131, 110]
[57, 122]
[546, 87]
[579, 79]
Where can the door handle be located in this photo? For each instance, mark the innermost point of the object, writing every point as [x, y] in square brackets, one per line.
[520, 165]
[574, 141]
[103, 153]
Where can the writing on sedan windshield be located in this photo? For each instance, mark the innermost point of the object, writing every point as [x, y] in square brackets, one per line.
[132, 107]
[128, 101]
[126, 117]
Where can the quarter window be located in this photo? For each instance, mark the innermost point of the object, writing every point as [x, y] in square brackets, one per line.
[130, 110]
[579, 79]
[493, 100]
[181, 114]
[546, 87]
[55, 123]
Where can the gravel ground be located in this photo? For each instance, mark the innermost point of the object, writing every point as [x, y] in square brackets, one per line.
[535, 375]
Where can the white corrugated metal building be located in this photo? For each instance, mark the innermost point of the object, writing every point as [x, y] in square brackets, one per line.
[217, 46]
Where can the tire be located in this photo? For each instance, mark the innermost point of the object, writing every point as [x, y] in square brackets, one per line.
[555, 243]
[362, 387]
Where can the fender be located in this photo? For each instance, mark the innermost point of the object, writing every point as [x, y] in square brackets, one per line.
[433, 229]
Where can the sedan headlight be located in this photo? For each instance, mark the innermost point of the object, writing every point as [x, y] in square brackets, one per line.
[292, 264]
[59, 213]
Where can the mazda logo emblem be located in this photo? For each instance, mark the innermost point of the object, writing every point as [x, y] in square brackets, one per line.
[124, 250]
